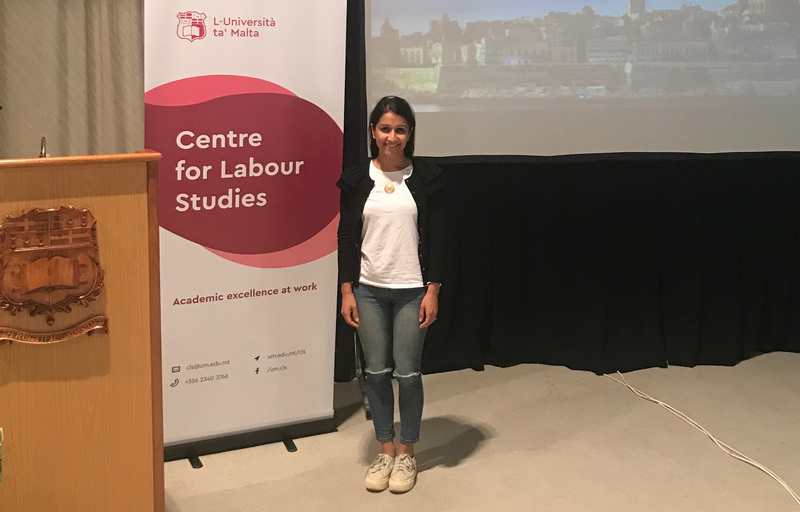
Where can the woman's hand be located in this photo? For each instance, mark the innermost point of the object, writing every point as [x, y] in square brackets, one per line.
[429, 308]
[349, 309]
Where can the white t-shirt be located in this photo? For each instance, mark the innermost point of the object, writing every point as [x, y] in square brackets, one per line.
[389, 238]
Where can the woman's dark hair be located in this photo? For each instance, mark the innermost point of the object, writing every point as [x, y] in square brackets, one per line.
[400, 107]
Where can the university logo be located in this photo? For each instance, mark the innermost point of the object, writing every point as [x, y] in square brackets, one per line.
[191, 25]
[49, 262]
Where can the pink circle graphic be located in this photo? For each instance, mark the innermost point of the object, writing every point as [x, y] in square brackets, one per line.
[208, 87]
[250, 176]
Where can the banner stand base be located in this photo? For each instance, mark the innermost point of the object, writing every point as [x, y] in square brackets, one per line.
[286, 434]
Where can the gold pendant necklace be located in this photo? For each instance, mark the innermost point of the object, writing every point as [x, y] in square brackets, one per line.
[388, 188]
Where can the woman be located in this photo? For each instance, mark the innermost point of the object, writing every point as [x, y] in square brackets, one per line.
[390, 264]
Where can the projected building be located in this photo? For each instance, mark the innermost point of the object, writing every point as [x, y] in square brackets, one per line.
[636, 8]
[774, 10]
[750, 45]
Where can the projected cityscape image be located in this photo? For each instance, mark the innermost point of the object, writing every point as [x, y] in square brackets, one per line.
[447, 54]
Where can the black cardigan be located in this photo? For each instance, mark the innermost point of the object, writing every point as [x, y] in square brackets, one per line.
[426, 185]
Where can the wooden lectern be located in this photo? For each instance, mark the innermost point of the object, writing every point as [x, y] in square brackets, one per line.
[80, 346]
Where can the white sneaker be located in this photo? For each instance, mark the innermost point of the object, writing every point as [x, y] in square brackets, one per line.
[378, 473]
[404, 474]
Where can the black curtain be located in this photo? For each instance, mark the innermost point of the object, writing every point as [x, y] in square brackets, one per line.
[619, 262]
[606, 262]
[355, 149]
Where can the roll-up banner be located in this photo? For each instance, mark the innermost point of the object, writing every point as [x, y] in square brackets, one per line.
[245, 101]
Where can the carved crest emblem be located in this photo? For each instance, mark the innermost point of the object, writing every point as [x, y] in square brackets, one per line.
[49, 261]
[191, 25]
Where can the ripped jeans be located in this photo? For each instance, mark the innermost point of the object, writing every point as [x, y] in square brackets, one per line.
[389, 332]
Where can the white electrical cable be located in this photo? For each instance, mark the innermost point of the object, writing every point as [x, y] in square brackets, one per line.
[724, 447]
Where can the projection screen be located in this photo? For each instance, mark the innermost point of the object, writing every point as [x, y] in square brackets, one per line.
[547, 77]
